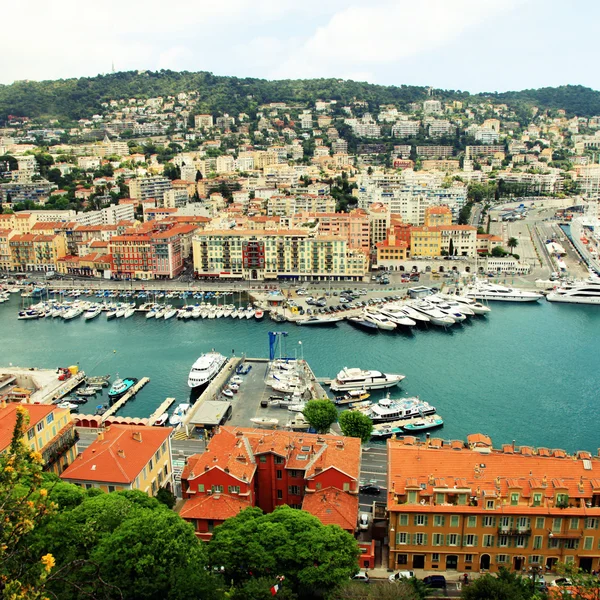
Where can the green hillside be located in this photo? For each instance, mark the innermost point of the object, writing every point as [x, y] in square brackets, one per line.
[82, 97]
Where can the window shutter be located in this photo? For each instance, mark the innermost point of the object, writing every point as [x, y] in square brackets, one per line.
[443, 520]
[511, 523]
[426, 520]
[448, 539]
[414, 519]
[425, 539]
[414, 539]
[475, 540]
[596, 521]
[458, 540]
[493, 521]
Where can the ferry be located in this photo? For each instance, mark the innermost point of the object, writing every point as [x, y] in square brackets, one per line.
[358, 379]
[121, 387]
[205, 369]
[397, 410]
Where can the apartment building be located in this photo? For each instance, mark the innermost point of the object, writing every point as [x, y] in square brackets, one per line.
[30, 252]
[392, 251]
[472, 507]
[246, 467]
[437, 215]
[50, 431]
[435, 151]
[288, 206]
[37, 191]
[404, 129]
[425, 242]
[149, 187]
[203, 121]
[276, 254]
[109, 215]
[353, 226]
[5, 235]
[441, 127]
[125, 457]
[432, 107]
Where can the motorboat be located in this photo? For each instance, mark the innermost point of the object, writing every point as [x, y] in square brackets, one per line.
[101, 409]
[72, 313]
[121, 311]
[162, 419]
[120, 387]
[452, 303]
[227, 392]
[434, 314]
[205, 368]
[169, 313]
[494, 291]
[69, 405]
[476, 307]
[352, 396]
[358, 379]
[178, 414]
[381, 321]
[129, 312]
[319, 321]
[25, 315]
[265, 421]
[259, 314]
[398, 316]
[577, 292]
[298, 423]
[87, 391]
[396, 410]
[363, 324]
[195, 313]
[112, 313]
[448, 310]
[298, 407]
[234, 387]
[385, 430]
[413, 314]
[92, 312]
[424, 424]
[160, 313]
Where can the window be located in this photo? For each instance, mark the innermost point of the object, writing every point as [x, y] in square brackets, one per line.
[263, 458]
[537, 542]
[521, 541]
[468, 558]
[420, 520]
[279, 494]
[504, 523]
[514, 499]
[569, 560]
[588, 543]
[523, 523]
[402, 538]
[411, 497]
[294, 473]
[278, 460]
[40, 426]
[535, 559]
[88, 486]
[502, 558]
[111, 488]
[279, 474]
[403, 520]
[591, 523]
[537, 499]
[420, 539]
[490, 504]
[233, 489]
[50, 418]
[294, 490]
[562, 498]
[435, 557]
[503, 541]
[571, 544]
[556, 524]
[454, 521]
[440, 498]
[216, 489]
[553, 543]
[470, 540]
[540, 523]
[452, 539]
[438, 539]
[30, 434]
[472, 522]
[489, 521]
[574, 523]
[151, 464]
[439, 520]
[402, 559]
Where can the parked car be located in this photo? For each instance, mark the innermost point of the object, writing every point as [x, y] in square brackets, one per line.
[371, 490]
[362, 575]
[560, 581]
[363, 521]
[398, 575]
[435, 581]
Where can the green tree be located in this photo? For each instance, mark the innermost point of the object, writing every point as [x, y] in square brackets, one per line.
[166, 497]
[451, 247]
[355, 424]
[171, 171]
[512, 243]
[321, 414]
[498, 251]
[314, 558]
[506, 586]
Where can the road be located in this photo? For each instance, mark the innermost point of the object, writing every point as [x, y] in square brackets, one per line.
[373, 471]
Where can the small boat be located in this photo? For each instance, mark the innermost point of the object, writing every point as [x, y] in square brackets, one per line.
[319, 321]
[169, 313]
[227, 392]
[87, 391]
[162, 419]
[259, 314]
[178, 414]
[28, 314]
[423, 424]
[101, 409]
[265, 421]
[120, 311]
[299, 407]
[129, 312]
[112, 313]
[385, 431]
[352, 396]
[237, 379]
[92, 312]
[69, 405]
[234, 387]
[120, 387]
[363, 324]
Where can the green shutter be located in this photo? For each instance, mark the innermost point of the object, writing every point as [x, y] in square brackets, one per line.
[425, 539]
[458, 540]
[475, 540]
[447, 539]
[415, 520]
[426, 520]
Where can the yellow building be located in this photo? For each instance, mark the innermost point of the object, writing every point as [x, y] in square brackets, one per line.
[469, 507]
[125, 457]
[50, 431]
[5, 235]
[276, 254]
[437, 215]
[29, 252]
[425, 242]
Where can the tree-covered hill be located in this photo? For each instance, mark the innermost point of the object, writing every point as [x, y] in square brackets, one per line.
[82, 97]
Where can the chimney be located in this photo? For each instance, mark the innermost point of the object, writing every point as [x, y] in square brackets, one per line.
[137, 436]
[100, 436]
[431, 479]
[580, 486]
[3, 405]
[544, 481]
[121, 453]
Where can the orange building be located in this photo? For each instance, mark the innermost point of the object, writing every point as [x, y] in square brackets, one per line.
[437, 215]
[470, 507]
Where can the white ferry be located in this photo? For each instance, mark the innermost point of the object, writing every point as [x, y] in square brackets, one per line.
[360, 379]
[205, 369]
[395, 410]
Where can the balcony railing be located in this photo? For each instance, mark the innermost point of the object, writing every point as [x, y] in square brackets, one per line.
[514, 531]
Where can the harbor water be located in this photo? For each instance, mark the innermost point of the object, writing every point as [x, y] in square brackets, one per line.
[529, 373]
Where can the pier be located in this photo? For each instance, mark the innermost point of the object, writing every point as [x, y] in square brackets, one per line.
[68, 386]
[125, 398]
[160, 410]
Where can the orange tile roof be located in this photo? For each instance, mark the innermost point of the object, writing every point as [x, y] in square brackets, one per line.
[216, 507]
[333, 507]
[120, 456]
[8, 419]
[488, 470]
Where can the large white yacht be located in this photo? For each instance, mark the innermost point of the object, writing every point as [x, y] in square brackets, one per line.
[360, 379]
[577, 292]
[476, 307]
[205, 368]
[434, 314]
[393, 410]
[493, 291]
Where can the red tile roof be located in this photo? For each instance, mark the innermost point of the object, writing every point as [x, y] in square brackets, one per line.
[119, 456]
[216, 507]
[333, 507]
[8, 419]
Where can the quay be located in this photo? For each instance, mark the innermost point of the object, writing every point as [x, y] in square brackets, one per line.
[160, 410]
[125, 398]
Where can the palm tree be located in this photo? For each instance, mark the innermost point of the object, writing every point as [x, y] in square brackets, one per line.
[512, 243]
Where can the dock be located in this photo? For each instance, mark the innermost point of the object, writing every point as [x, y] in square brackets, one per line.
[68, 386]
[125, 398]
[160, 410]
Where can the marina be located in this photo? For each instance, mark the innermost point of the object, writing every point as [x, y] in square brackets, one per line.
[528, 362]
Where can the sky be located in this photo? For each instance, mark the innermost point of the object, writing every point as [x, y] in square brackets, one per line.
[472, 45]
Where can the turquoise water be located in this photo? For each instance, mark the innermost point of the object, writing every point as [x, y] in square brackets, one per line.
[525, 372]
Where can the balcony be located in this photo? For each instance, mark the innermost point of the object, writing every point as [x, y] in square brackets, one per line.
[514, 531]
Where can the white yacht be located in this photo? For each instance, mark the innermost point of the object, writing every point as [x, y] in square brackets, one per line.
[170, 312]
[205, 369]
[398, 316]
[577, 292]
[476, 307]
[177, 417]
[493, 291]
[92, 312]
[448, 310]
[361, 379]
[72, 313]
[464, 309]
[380, 320]
[411, 313]
[129, 312]
[434, 314]
[393, 410]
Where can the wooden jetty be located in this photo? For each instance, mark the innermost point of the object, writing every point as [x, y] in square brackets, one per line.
[160, 410]
[125, 398]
